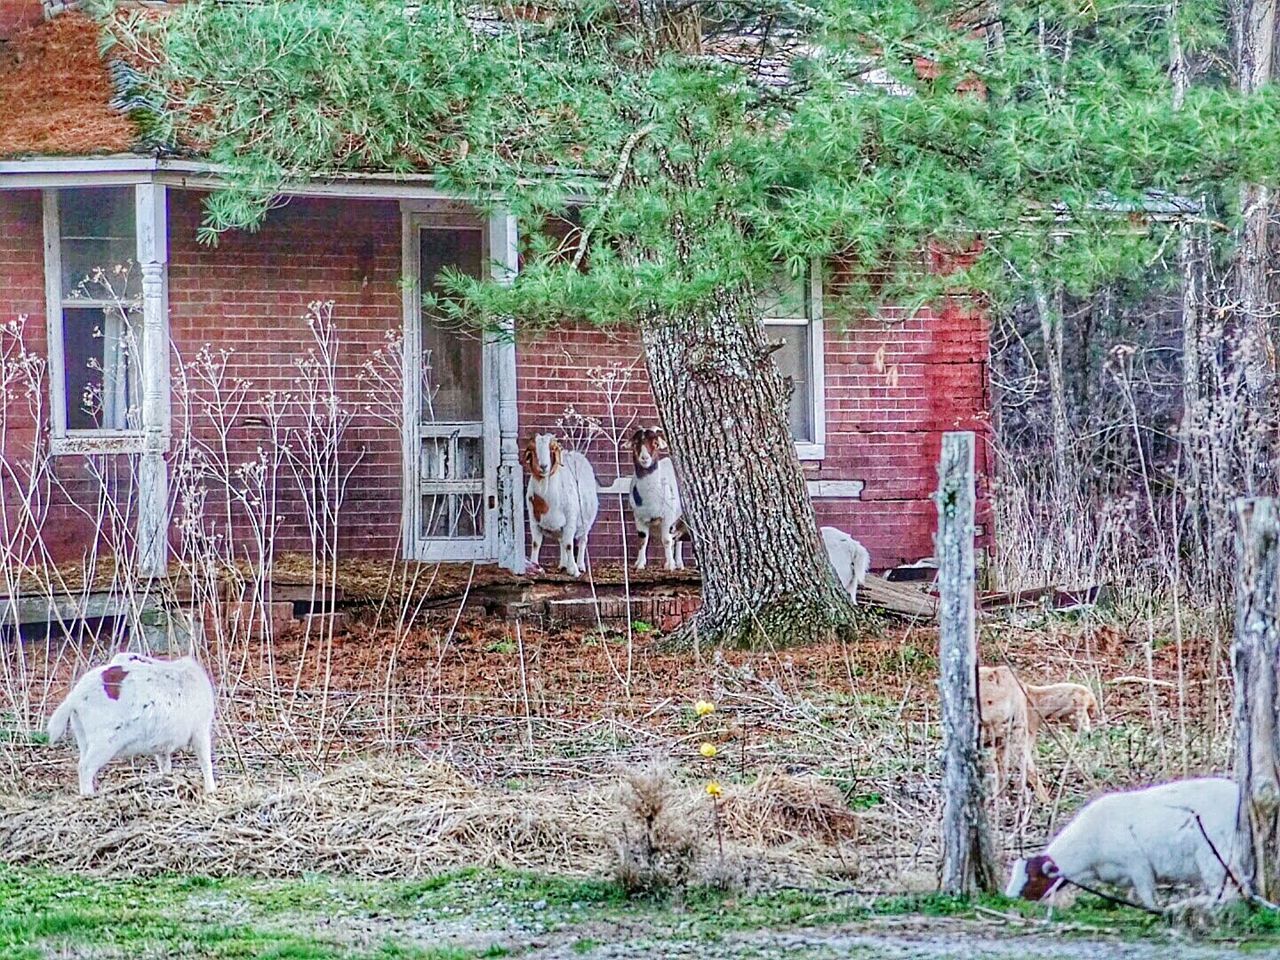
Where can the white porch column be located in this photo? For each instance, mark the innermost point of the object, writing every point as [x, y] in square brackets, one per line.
[504, 251]
[153, 471]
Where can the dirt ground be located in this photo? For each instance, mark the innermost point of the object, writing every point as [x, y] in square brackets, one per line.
[476, 740]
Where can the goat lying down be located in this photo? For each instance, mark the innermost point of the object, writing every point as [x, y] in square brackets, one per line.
[139, 706]
[851, 560]
[1139, 838]
[1070, 703]
[562, 499]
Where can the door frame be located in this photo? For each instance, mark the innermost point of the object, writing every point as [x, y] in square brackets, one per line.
[416, 217]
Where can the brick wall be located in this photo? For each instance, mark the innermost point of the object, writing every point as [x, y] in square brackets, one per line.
[892, 387]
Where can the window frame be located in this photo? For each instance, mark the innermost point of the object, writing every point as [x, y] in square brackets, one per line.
[816, 448]
[79, 441]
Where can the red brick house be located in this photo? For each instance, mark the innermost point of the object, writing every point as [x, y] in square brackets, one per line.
[442, 480]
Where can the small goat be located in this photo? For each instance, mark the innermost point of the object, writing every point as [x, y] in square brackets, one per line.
[562, 500]
[139, 706]
[1140, 838]
[655, 499]
[1008, 725]
[851, 559]
[1063, 702]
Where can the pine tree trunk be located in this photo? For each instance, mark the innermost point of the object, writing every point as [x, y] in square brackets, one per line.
[968, 866]
[1256, 663]
[723, 405]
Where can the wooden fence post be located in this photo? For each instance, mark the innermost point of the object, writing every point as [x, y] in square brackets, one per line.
[1255, 662]
[968, 866]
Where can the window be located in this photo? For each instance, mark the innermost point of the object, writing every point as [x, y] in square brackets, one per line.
[94, 292]
[792, 310]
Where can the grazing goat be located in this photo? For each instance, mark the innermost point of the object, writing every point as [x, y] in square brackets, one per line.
[1008, 725]
[655, 499]
[1063, 702]
[851, 559]
[1140, 838]
[562, 500]
[139, 706]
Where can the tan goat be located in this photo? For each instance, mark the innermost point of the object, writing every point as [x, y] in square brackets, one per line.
[1008, 725]
[1063, 702]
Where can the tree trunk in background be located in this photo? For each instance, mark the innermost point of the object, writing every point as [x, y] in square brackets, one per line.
[1254, 32]
[1051, 321]
[968, 866]
[1256, 663]
[723, 404]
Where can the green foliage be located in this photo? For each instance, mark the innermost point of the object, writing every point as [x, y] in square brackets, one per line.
[695, 174]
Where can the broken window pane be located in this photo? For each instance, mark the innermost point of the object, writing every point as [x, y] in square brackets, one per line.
[100, 351]
[453, 515]
[98, 244]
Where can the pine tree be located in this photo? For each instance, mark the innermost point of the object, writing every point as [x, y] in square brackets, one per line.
[707, 145]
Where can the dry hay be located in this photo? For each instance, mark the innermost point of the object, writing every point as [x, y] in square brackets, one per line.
[55, 92]
[390, 818]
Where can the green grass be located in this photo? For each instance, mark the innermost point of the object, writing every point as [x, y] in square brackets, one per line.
[313, 918]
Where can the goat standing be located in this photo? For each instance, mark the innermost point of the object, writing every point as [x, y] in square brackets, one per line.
[851, 560]
[139, 706]
[655, 499]
[562, 499]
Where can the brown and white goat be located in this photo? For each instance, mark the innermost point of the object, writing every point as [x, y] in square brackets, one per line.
[135, 705]
[655, 499]
[1009, 726]
[562, 499]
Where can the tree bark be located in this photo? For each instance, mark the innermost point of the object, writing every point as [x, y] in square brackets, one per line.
[1256, 662]
[723, 404]
[1051, 323]
[1254, 32]
[968, 866]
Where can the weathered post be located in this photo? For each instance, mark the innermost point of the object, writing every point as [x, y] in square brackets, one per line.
[1255, 661]
[968, 866]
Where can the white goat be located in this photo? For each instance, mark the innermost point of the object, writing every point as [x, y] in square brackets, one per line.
[139, 706]
[1140, 838]
[851, 559]
[562, 499]
[655, 499]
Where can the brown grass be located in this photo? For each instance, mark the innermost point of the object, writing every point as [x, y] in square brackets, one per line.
[54, 93]
[384, 818]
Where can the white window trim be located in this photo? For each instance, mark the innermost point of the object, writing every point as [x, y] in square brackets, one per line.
[817, 448]
[63, 441]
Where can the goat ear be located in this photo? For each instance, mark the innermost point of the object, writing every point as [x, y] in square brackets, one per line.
[637, 437]
[526, 457]
[662, 439]
[1049, 868]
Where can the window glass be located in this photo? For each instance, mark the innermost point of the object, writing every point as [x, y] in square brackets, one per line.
[100, 351]
[454, 382]
[785, 296]
[98, 245]
[793, 360]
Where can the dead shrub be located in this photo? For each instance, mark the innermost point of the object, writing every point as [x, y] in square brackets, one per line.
[661, 840]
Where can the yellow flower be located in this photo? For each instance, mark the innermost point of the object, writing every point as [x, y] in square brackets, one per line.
[704, 707]
[708, 750]
[713, 790]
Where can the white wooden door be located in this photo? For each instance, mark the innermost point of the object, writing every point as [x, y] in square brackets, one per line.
[451, 412]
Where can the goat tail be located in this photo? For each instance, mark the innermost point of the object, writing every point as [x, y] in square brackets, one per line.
[861, 564]
[58, 722]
